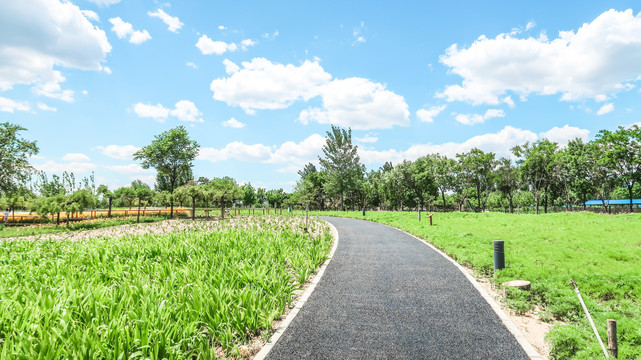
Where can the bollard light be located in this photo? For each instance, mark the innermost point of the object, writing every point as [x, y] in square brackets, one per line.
[499, 255]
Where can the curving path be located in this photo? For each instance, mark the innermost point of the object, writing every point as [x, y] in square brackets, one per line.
[385, 295]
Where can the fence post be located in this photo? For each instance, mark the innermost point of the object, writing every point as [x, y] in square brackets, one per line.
[613, 348]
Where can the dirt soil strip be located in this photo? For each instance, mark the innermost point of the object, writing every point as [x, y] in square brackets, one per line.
[387, 296]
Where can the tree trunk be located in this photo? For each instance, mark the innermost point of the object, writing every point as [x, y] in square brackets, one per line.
[443, 196]
[171, 212]
[58, 219]
[511, 203]
[138, 216]
[545, 199]
[630, 192]
[109, 213]
[193, 208]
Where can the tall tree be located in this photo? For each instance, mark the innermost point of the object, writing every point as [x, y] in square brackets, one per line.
[536, 162]
[479, 166]
[581, 160]
[106, 193]
[342, 163]
[445, 170]
[14, 157]
[224, 191]
[621, 151]
[171, 153]
[507, 180]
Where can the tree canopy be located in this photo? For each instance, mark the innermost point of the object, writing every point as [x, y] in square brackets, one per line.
[14, 157]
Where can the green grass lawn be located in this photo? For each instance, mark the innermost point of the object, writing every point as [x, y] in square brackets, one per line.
[193, 294]
[601, 252]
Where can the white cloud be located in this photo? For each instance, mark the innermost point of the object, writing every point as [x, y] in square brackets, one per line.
[367, 139]
[530, 25]
[233, 123]
[360, 104]
[500, 143]
[157, 112]
[471, 119]
[563, 135]
[357, 33]
[236, 151]
[261, 84]
[271, 36]
[606, 109]
[246, 43]
[10, 106]
[106, 69]
[230, 67]
[121, 152]
[173, 23]
[428, 115]
[130, 169]
[186, 111]
[601, 57]
[78, 157]
[124, 29]
[75, 167]
[40, 34]
[291, 153]
[52, 89]
[91, 15]
[208, 46]
[222, 27]
[105, 2]
[192, 65]
[45, 107]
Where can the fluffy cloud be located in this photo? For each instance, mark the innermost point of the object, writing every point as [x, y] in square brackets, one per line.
[184, 110]
[360, 104]
[291, 153]
[471, 119]
[606, 109]
[208, 46]
[121, 152]
[261, 84]
[236, 151]
[602, 57]
[45, 107]
[500, 143]
[173, 23]
[130, 169]
[368, 139]
[91, 15]
[563, 135]
[354, 102]
[124, 29]
[428, 115]
[77, 167]
[105, 2]
[78, 157]
[233, 123]
[40, 34]
[10, 106]
[157, 112]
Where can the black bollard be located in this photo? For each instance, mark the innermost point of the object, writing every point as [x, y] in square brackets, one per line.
[499, 255]
[363, 211]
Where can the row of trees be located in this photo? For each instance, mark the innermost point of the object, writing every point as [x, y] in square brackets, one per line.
[544, 174]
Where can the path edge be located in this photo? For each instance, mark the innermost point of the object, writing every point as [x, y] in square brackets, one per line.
[520, 338]
[264, 351]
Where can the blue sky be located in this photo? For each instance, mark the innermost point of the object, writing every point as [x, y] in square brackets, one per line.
[258, 83]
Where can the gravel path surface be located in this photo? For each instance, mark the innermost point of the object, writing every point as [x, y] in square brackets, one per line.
[385, 295]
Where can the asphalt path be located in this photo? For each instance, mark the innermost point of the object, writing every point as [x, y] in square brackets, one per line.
[385, 295]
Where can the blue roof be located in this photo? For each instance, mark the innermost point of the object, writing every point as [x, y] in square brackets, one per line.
[613, 202]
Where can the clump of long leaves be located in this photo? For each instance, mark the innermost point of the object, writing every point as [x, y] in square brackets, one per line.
[175, 296]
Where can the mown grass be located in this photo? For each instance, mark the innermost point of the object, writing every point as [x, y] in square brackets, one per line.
[186, 295]
[601, 252]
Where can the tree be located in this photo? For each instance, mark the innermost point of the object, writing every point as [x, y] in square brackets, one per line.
[536, 161]
[342, 163]
[127, 193]
[14, 157]
[581, 161]
[275, 198]
[445, 175]
[142, 192]
[223, 191]
[171, 153]
[621, 151]
[478, 165]
[249, 195]
[507, 180]
[193, 191]
[106, 193]
[163, 182]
